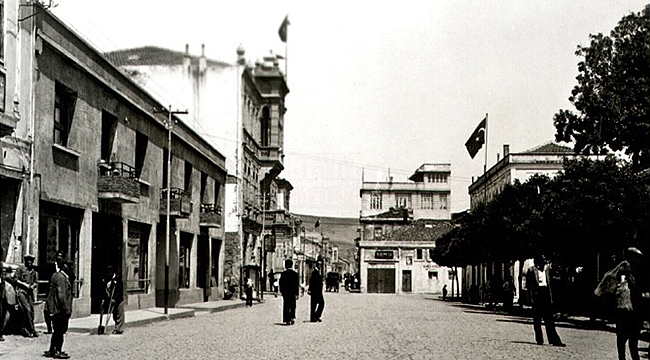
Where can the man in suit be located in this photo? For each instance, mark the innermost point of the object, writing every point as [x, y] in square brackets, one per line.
[289, 287]
[26, 280]
[59, 305]
[115, 294]
[316, 292]
[538, 283]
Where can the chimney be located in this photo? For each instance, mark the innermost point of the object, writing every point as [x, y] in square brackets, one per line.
[498, 157]
[202, 60]
[186, 58]
[506, 150]
[241, 60]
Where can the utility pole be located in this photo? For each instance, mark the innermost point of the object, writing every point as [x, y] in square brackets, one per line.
[169, 125]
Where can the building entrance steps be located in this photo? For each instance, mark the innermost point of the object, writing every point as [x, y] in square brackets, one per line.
[89, 324]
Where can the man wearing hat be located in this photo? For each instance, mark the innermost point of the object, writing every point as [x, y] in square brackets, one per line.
[26, 280]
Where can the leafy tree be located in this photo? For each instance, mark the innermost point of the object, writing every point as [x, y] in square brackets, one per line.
[612, 96]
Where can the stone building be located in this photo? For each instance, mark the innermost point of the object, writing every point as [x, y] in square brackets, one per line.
[239, 107]
[98, 179]
[400, 222]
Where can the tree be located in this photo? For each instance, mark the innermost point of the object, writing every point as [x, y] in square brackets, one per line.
[612, 96]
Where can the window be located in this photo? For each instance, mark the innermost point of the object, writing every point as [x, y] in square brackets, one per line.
[265, 127]
[375, 200]
[378, 232]
[204, 184]
[137, 258]
[418, 254]
[427, 201]
[403, 201]
[433, 275]
[141, 143]
[64, 101]
[409, 260]
[437, 178]
[109, 126]
[184, 252]
[431, 254]
[188, 177]
[443, 202]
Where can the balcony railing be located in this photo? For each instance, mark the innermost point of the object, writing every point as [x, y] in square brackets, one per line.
[210, 215]
[117, 182]
[180, 203]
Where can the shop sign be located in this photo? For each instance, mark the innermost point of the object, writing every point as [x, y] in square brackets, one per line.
[384, 254]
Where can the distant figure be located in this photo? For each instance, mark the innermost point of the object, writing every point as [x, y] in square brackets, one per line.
[444, 292]
[538, 282]
[508, 294]
[53, 269]
[115, 294]
[26, 283]
[249, 292]
[316, 291]
[271, 278]
[290, 289]
[621, 281]
[59, 305]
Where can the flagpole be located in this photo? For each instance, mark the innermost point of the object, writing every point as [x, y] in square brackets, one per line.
[486, 144]
[286, 59]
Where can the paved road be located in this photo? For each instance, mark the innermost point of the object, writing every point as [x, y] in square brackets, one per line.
[355, 326]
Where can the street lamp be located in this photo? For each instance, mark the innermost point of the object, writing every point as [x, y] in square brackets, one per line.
[169, 125]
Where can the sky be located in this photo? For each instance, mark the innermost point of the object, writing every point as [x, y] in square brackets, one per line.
[378, 88]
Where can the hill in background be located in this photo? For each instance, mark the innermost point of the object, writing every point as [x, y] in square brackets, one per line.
[340, 231]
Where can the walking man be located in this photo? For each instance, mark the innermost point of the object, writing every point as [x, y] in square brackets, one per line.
[290, 289]
[115, 292]
[59, 305]
[316, 292]
[538, 282]
[26, 280]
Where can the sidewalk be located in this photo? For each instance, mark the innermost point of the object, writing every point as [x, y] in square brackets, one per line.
[141, 317]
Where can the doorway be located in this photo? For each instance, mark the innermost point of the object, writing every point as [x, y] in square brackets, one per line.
[106, 251]
[406, 281]
[381, 280]
[203, 265]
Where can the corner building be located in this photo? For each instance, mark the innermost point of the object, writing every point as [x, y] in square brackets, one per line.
[400, 222]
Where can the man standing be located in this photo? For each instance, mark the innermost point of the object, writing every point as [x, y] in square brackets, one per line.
[59, 305]
[316, 292]
[26, 280]
[115, 292]
[538, 282]
[53, 270]
[289, 287]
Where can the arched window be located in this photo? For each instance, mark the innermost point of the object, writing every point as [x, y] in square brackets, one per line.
[265, 126]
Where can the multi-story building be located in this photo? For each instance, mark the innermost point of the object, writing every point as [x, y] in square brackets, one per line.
[99, 175]
[240, 109]
[392, 260]
[546, 159]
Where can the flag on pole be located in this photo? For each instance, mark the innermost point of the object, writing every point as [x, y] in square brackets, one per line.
[477, 139]
[282, 31]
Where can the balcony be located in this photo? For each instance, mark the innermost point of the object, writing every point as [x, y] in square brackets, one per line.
[272, 160]
[180, 203]
[117, 182]
[210, 216]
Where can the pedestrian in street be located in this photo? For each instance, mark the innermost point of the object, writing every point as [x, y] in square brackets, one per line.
[444, 293]
[59, 305]
[290, 290]
[316, 292]
[115, 294]
[622, 282]
[508, 293]
[26, 282]
[52, 269]
[249, 292]
[271, 278]
[538, 282]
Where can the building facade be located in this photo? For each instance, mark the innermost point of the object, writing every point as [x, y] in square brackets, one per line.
[546, 159]
[400, 222]
[99, 177]
[240, 108]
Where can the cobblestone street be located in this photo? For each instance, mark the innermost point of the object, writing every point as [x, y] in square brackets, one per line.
[355, 326]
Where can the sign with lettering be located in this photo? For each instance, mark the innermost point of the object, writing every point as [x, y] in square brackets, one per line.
[384, 254]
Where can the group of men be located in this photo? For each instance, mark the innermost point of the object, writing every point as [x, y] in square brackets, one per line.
[290, 290]
[57, 308]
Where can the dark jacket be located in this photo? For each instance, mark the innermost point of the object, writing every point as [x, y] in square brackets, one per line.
[289, 283]
[532, 282]
[316, 284]
[59, 298]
